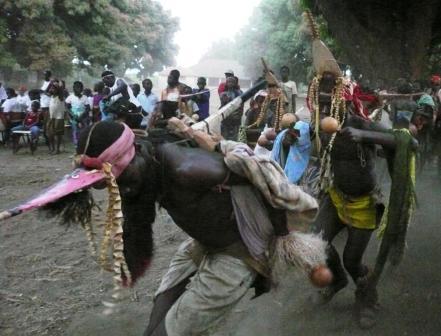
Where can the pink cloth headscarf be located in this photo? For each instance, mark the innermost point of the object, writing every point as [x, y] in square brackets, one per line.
[121, 152]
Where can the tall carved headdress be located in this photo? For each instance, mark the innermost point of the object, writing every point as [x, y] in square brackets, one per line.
[322, 58]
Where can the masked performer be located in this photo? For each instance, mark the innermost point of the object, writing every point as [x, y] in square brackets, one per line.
[233, 217]
[346, 143]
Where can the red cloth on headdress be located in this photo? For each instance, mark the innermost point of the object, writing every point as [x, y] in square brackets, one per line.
[358, 97]
[435, 79]
[353, 93]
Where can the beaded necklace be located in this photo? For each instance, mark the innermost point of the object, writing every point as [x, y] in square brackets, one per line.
[278, 113]
[338, 112]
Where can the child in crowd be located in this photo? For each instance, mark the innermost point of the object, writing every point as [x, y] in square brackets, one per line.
[189, 106]
[57, 108]
[104, 104]
[31, 123]
[78, 108]
[98, 89]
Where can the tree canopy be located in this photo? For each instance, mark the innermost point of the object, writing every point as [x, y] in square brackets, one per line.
[382, 40]
[119, 34]
[385, 40]
[276, 32]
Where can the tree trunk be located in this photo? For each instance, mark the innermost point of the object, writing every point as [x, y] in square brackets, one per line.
[383, 40]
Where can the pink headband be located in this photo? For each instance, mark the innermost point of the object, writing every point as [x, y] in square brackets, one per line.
[121, 152]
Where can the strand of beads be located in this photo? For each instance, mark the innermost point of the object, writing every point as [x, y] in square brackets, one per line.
[278, 114]
[262, 113]
[338, 111]
[313, 96]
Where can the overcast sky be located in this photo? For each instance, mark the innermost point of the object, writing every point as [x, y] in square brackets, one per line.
[204, 21]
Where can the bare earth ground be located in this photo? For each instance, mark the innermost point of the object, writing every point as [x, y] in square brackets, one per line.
[50, 285]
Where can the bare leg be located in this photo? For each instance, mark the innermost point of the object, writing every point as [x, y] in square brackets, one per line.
[328, 223]
[366, 297]
[59, 138]
[356, 244]
[51, 143]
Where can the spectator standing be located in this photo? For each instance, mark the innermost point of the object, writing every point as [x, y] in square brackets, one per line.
[148, 101]
[89, 94]
[98, 89]
[55, 124]
[289, 89]
[174, 88]
[136, 89]
[23, 100]
[189, 106]
[202, 98]
[104, 105]
[230, 126]
[3, 95]
[45, 97]
[255, 105]
[222, 86]
[78, 107]
[44, 102]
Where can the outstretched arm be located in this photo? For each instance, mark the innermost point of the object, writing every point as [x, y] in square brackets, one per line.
[387, 140]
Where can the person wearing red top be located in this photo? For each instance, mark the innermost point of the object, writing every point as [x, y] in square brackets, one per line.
[31, 123]
[222, 86]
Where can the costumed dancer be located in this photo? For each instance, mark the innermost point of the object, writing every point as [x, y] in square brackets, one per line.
[269, 116]
[226, 254]
[346, 143]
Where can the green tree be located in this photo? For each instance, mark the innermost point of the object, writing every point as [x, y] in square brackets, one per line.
[275, 33]
[385, 40]
[118, 34]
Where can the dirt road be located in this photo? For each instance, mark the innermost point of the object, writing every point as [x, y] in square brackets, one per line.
[50, 285]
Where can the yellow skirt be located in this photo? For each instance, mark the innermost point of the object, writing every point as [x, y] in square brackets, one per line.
[358, 212]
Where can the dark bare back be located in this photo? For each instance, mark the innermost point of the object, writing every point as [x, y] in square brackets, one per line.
[192, 197]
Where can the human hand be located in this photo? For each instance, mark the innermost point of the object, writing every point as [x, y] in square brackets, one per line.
[352, 134]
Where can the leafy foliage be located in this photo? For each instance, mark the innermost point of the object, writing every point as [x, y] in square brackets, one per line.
[385, 40]
[277, 33]
[381, 40]
[40, 34]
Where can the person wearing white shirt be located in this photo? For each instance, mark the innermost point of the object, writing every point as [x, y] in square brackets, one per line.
[148, 101]
[23, 100]
[45, 97]
[55, 124]
[289, 88]
[8, 106]
[78, 107]
[3, 94]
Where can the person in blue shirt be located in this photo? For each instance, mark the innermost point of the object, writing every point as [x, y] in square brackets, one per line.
[148, 101]
[202, 99]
